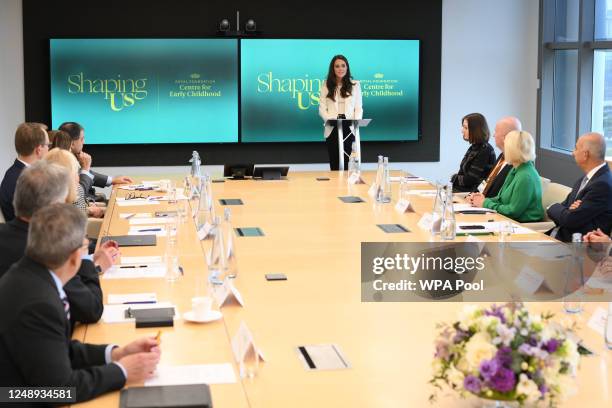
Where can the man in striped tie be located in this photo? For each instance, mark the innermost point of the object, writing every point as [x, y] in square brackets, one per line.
[35, 345]
[589, 205]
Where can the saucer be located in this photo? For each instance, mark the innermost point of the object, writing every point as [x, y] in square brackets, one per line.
[211, 317]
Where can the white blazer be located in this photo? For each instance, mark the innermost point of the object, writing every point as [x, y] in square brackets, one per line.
[328, 109]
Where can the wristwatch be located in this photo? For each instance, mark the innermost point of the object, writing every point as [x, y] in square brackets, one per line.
[98, 269]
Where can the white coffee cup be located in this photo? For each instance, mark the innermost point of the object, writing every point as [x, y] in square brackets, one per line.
[201, 306]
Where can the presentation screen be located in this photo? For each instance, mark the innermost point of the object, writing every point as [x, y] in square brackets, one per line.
[281, 81]
[146, 90]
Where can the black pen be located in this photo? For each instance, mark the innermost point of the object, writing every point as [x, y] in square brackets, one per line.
[133, 266]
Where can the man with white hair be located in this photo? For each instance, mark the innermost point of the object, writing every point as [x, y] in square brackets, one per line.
[589, 205]
[493, 183]
[35, 345]
[39, 186]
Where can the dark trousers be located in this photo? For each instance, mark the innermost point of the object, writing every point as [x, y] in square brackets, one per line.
[332, 147]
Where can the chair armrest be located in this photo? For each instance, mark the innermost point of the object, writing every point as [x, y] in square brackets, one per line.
[539, 226]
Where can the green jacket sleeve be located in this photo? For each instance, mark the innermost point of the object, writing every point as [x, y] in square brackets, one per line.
[523, 194]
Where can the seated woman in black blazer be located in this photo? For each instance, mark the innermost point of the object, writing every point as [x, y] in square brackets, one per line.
[480, 156]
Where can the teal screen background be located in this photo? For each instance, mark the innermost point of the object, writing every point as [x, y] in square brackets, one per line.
[115, 73]
[287, 110]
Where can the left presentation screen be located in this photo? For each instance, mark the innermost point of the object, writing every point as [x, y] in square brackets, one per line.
[147, 90]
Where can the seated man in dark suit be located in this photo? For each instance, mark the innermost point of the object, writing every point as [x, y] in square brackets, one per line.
[88, 178]
[39, 186]
[589, 205]
[35, 345]
[491, 186]
[31, 143]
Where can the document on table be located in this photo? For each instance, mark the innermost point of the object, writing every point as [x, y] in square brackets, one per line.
[116, 313]
[423, 193]
[158, 230]
[468, 207]
[155, 220]
[122, 202]
[130, 260]
[490, 227]
[132, 298]
[192, 374]
[135, 271]
[128, 215]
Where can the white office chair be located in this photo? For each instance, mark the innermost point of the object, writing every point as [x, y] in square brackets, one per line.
[551, 194]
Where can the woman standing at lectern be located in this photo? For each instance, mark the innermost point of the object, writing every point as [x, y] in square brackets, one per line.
[342, 102]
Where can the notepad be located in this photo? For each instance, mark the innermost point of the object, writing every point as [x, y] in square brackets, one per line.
[193, 374]
[392, 228]
[135, 271]
[322, 357]
[351, 199]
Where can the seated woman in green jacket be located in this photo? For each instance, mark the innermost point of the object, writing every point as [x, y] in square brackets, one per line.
[520, 197]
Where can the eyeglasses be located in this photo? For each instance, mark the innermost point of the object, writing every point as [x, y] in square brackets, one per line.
[134, 196]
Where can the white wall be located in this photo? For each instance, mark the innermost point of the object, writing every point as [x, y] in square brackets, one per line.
[12, 110]
[489, 65]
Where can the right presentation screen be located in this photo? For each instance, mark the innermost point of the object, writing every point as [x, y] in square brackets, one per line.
[281, 82]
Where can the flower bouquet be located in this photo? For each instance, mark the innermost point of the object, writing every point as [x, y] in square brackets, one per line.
[505, 354]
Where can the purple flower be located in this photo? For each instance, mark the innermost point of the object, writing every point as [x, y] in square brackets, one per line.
[460, 335]
[543, 388]
[497, 312]
[488, 368]
[472, 384]
[532, 341]
[503, 380]
[504, 356]
[525, 349]
[442, 350]
[551, 345]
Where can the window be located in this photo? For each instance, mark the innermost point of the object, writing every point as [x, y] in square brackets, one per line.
[575, 74]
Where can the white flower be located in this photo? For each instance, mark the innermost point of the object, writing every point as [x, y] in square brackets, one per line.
[528, 388]
[487, 322]
[437, 366]
[572, 356]
[478, 349]
[455, 377]
[506, 335]
[566, 386]
[467, 316]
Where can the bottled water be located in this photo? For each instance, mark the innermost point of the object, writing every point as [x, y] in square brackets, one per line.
[574, 278]
[353, 165]
[448, 225]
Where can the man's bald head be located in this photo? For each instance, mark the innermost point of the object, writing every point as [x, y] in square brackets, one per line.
[590, 151]
[504, 126]
[595, 143]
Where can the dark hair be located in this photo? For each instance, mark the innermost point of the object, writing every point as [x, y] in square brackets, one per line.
[60, 139]
[477, 128]
[72, 128]
[28, 137]
[347, 84]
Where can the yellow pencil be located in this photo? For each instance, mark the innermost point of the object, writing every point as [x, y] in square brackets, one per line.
[158, 337]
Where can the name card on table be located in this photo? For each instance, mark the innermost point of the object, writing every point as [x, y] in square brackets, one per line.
[243, 344]
[403, 206]
[531, 281]
[373, 190]
[226, 293]
[355, 178]
[429, 222]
